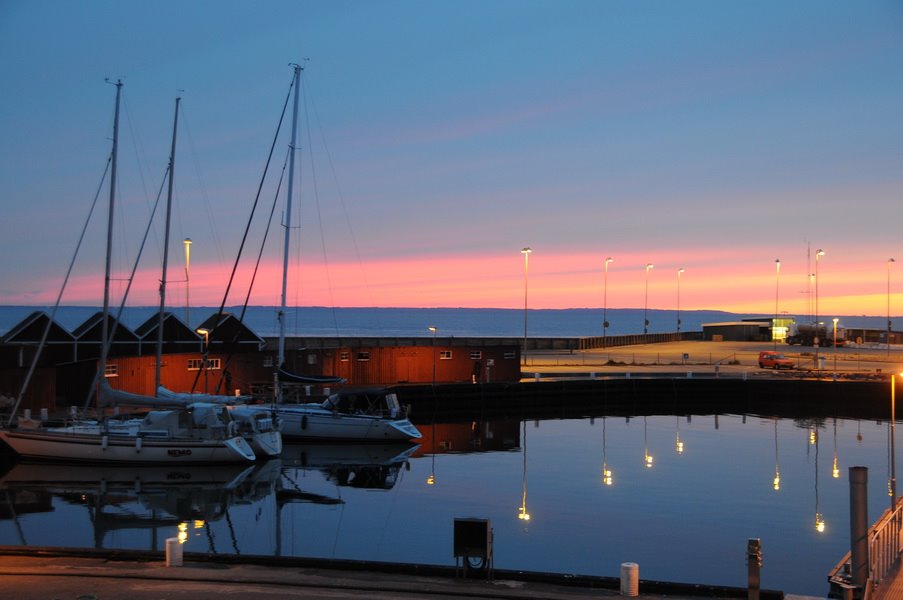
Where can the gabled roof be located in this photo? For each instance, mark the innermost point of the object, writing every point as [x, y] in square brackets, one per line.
[31, 330]
[174, 329]
[226, 328]
[92, 328]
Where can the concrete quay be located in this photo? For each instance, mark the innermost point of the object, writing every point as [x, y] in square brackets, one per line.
[116, 576]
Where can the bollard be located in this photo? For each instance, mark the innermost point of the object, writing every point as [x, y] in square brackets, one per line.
[717, 368]
[689, 374]
[754, 563]
[630, 579]
[859, 526]
[173, 552]
[627, 375]
[537, 376]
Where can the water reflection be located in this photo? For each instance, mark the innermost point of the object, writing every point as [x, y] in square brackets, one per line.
[370, 502]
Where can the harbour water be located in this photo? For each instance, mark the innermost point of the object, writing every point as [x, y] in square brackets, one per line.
[678, 494]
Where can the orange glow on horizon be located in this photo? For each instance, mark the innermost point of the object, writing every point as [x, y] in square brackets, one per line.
[555, 281]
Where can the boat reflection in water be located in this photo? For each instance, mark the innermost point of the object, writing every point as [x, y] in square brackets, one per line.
[118, 498]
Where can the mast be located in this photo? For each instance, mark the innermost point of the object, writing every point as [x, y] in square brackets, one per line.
[288, 226]
[172, 165]
[104, 352]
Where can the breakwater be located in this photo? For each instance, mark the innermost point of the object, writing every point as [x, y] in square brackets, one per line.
[636, 396]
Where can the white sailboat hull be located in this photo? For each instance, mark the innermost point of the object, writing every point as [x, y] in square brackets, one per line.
[86, 447]
[311, 422]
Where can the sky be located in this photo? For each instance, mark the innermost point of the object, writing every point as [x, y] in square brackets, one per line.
[438, 139]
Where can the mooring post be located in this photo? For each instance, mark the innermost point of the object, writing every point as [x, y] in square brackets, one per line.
[754, 563]
[859, 526]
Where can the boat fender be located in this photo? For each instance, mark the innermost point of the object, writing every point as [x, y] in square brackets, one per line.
[138, 444]
[304, 422]
[104, 442]
[232, 429]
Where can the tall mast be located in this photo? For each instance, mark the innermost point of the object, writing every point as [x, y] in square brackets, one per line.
[107, 274]
[172, 166]
[288, 221]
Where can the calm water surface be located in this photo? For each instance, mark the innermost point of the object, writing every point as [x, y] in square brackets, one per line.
[683, 516]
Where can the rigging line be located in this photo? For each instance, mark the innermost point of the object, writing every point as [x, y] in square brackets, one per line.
[247, 300]
[140, 160]
[108, 343]
[208, 207]
[257, 197]
[357, 252]
[34, 363]
[313, 176]
[244, 237]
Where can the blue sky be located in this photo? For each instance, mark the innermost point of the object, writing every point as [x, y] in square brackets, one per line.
[713, 136]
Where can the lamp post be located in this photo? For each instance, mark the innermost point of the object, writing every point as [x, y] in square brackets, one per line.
[526, 252]
[605, 303]
[434, 330]
[679, 273]
[649, 267]
[777, 287]
[834, 351]
[206, 334]
[187, 242]
[889, 262]
[818, 254]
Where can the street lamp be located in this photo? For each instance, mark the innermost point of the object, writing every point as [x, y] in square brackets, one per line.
[679, 273]
[187, 242]
[889, 262]
[777, 287]
[605, 302]
[834, 351]
[206, 334]
[434, 330]
[818, 254]
[526, 252]
[649, 267]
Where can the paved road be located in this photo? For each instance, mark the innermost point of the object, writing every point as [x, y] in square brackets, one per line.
[704, 356]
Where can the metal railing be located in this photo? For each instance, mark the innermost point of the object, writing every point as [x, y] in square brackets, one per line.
[884, 544]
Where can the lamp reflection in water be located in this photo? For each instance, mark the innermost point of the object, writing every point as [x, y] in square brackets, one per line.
[522, 514]
[819, 518]
[776, 484]
[431, 480]
[835, 470]
[647, 458]
[606, 472]
[678, 444]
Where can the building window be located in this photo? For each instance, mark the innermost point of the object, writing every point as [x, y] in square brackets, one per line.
[445, 354]
[268, 362]
[363, 356]
[195, 364]
[476, 354]
[311, 359]
[111, 370]
[344, 356]
[510, 355]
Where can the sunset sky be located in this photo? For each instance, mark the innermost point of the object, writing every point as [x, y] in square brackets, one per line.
[440, 138]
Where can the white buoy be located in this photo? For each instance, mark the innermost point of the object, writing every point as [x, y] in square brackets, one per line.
[173, 552]
[630, 579]
[28, 414]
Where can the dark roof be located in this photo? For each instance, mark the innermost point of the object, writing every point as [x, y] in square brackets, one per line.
[227, 328]
[31, 330]
[92, 328]
[174, 329]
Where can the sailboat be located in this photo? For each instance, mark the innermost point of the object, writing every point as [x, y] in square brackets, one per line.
[347, 415]
[197, 434]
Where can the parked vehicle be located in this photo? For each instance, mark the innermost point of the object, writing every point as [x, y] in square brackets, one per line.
[807, 335]
[774, 360]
